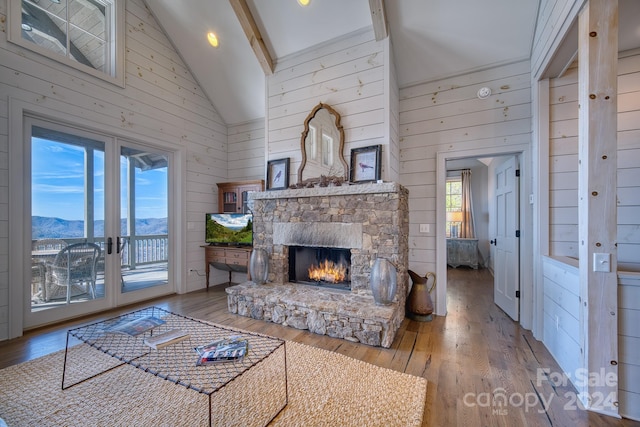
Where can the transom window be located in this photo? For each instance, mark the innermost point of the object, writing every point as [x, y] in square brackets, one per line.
[79, 33]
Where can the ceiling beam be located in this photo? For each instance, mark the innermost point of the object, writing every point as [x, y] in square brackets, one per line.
[253, 35]
[379, 19]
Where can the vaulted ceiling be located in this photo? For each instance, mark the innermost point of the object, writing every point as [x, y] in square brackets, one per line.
[431, 39]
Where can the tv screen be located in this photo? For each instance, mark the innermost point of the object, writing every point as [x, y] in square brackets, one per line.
[229, 229]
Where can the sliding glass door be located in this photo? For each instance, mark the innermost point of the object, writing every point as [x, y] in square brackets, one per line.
[99, 214]
[143, 242]
[67, 221]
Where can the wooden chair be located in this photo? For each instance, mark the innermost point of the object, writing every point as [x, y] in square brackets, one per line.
[73, 271]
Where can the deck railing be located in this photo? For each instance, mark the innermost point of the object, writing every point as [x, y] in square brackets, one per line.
[149, 249]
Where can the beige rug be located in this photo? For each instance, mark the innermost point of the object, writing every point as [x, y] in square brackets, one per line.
[325, 389]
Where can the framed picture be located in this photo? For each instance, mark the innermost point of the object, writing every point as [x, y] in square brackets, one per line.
[278, 174]
[365, 164]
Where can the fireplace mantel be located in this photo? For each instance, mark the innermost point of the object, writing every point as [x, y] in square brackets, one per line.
[342, 190]
[371, 220]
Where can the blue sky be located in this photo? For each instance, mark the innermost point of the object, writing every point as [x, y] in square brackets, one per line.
[57, 189]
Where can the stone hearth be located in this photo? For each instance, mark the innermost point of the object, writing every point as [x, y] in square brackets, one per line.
[370, 219]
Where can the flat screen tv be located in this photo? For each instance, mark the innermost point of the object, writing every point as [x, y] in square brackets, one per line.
[229, 229]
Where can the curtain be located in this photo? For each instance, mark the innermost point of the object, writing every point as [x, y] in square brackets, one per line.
[467, 226]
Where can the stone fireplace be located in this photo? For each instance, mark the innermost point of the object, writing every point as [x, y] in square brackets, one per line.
[364, 221]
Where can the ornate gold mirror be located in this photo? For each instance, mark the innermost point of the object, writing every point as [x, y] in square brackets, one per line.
[322, 146]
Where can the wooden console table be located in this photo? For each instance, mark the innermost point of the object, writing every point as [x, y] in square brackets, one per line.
[231, 258]
[462, 252]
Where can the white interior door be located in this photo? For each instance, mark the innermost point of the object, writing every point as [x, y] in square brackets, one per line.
[506, 285]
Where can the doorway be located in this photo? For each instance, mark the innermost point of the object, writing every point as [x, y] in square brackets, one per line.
[443, 160]
[98, 232]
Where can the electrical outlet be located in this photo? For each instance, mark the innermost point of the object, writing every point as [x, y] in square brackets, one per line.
[424, 228]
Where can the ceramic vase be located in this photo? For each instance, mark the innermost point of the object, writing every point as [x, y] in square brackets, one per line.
[259, 266]
[383, 281]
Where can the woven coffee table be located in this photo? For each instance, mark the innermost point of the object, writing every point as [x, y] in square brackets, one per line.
[255, 385]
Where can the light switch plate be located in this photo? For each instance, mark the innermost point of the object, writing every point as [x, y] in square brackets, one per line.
[602, 262]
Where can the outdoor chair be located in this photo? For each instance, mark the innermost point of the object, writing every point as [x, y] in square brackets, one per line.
[42, 251]
[73, 271]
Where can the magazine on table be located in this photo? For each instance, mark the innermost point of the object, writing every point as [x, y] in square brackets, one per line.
[222, 350]
[136, 326]
[172, 336]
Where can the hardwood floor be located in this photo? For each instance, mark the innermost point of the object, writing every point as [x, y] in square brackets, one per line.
[467, 356]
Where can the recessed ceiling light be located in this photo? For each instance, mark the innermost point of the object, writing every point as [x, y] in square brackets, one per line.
[304, 2]
[213, 39]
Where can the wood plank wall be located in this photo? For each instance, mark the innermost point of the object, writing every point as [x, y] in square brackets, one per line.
[447, 115]
[629, 344]
[563, 165]
[246, 161]
[393, 162]
[349, 75]
[563, 204]
[554, 20]
[161, 102]
[562, 312]
[563, 162]
[629, 161]
[562, 327]
[246, 151]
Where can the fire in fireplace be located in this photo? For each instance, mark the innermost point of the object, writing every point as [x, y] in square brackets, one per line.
[329, 267]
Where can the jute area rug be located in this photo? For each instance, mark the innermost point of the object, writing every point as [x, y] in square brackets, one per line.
[325, 389]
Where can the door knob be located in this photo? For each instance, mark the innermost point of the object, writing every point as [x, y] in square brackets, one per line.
[494, 242]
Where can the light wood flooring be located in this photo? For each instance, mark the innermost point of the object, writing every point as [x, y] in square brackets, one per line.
[467, 357]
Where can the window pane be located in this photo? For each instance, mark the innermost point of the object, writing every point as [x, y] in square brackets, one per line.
[43, 28]
[67, 207]
[144, 207]
[453, 204]
[75, 29]
[88, 16]
[52, 8]
[88, 49]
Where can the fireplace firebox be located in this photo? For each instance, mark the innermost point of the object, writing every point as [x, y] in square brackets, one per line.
[326, 267]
